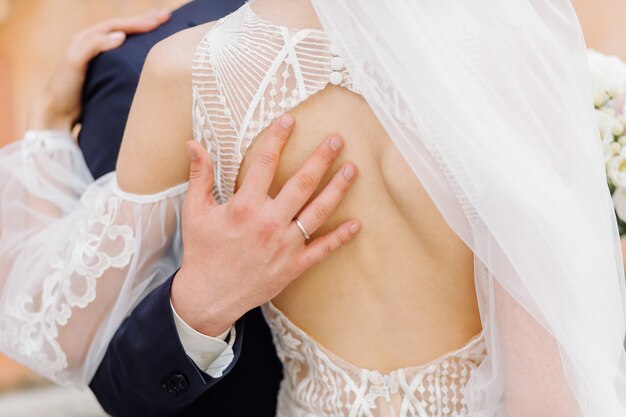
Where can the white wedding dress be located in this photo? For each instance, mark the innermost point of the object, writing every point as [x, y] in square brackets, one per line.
[247, 71]
[318, 383]
[520, 180]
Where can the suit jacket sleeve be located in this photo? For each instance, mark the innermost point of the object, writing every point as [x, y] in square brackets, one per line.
[145, 371]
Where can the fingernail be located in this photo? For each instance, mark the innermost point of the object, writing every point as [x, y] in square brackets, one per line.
[349, 172]
[286, 121]
[117, 36]
[354, 228]
[193, 155]
[336, 143]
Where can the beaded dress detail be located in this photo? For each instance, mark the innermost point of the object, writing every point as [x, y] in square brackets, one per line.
[247, 71]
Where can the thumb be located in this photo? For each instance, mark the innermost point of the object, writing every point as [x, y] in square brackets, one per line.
[112, 40]
[88, 45]
[201, 176]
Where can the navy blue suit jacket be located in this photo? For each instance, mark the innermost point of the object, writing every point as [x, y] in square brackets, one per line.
[146, 371]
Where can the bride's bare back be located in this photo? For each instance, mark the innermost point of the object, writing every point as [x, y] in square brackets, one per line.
[400, 295]
[403, 292]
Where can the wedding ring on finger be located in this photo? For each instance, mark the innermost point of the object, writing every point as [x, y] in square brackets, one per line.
[306, 234]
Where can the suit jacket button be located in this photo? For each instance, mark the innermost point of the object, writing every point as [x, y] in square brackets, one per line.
[175, 384]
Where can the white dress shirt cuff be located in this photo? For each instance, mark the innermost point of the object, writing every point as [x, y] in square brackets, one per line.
[211, 354]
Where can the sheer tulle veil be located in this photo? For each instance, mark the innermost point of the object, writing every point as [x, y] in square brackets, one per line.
[488, 101]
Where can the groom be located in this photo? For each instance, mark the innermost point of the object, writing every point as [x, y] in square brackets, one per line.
[157, 364]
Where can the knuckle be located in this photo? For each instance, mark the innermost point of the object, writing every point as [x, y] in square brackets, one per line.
[267, 160]
[142, 23]
[240, 209]
[194, 172]
[321, 212]
[327, 156]
[283, 242]
[306, 183]
[334, 242]
[327, 250]
[337, 241]
[115, 23]
[267, 230]
[279, 134]
[342, 185]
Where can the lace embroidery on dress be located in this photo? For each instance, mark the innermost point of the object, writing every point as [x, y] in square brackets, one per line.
[317, 383]
[75, 255]
[247, 72]
[30, 324]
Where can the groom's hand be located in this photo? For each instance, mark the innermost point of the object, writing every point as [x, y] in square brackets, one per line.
[241, 254]
[58, 106]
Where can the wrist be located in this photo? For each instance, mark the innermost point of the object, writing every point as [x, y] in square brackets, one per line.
[43, 116]
[198, 308]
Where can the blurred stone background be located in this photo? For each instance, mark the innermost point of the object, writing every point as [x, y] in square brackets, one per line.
[33, 34]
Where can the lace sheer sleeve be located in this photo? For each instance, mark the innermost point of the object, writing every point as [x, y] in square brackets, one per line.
[65, 238]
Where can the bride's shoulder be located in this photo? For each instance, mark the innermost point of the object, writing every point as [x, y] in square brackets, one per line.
[173, 56]
[160, 115]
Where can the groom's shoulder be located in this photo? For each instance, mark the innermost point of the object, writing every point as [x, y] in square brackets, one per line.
[122, 66]
[128, 60]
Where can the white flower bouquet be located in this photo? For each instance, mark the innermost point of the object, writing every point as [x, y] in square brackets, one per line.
[608, 82]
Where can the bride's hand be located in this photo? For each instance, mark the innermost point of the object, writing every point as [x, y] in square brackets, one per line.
[58, 106]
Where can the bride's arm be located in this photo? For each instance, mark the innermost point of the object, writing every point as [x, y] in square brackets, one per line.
[534, 377]
[153, 155]
[76, 255]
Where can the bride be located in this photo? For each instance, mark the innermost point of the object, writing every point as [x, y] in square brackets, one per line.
[487, 280]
